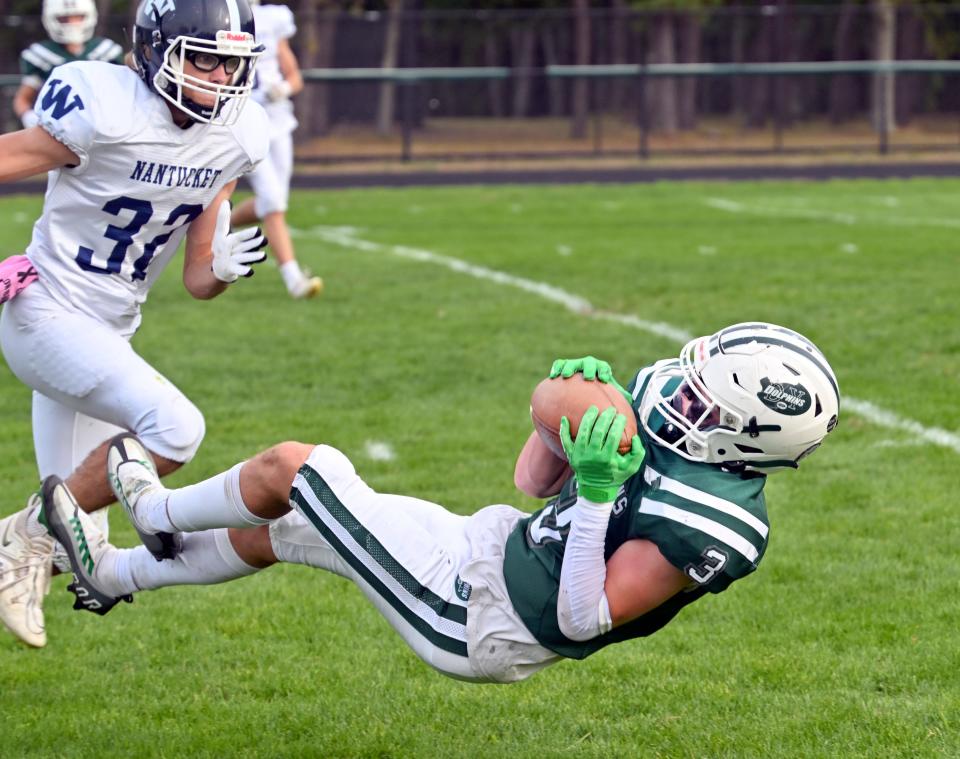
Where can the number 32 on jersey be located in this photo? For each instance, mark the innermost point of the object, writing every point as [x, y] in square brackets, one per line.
[123, 237]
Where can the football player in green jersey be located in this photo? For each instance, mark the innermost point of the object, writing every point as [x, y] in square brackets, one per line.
[626, 542]
[70, 24]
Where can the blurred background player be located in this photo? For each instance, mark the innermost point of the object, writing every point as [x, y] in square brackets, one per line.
[278, 79]
[70, 24]
[138, 162]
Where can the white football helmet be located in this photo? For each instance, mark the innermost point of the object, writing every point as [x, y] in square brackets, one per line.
[74, 32]
[753, 396]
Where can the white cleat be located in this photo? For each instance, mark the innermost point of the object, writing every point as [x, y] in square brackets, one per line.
[25, 567]
[306, 287]
[132, 474]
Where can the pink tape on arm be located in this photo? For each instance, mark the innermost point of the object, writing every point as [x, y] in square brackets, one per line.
[16, 273]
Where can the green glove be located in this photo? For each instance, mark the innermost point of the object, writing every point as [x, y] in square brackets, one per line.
[591, 368]
[593, 456]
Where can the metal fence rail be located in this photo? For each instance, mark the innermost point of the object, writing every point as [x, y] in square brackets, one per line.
[409, 79]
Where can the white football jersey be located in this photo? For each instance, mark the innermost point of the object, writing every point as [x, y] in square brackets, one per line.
[111, 224]
[273, 23]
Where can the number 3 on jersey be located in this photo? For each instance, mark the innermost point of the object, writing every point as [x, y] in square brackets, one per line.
[124, 236]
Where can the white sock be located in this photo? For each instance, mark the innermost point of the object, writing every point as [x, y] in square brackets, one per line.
[207, 558]
[291, 273]
[212, 503]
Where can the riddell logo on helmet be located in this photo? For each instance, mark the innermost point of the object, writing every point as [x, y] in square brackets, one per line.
[784, 398]
[234, 36]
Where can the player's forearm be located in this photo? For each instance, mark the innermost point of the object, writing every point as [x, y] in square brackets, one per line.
[539, 472]
[295, 80]
[289, 68]
[582, 609]
[30, 152]
[23, 100]
[198, 278]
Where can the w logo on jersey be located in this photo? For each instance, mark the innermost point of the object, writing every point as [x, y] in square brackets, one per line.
[55, 99]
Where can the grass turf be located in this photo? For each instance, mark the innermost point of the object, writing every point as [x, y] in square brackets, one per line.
[844, 643]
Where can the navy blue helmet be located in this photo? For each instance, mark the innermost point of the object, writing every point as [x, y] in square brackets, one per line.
[207, 34]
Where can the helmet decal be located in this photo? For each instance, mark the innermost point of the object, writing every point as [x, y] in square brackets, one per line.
[784, 398]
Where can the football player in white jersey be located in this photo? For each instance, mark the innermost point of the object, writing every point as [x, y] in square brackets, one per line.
[278, 79]
[138, 161]
[625, 543]
[70, 24]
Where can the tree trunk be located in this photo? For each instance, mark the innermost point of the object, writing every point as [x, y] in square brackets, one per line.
[580, 104]
[738, 106]
[556, 90]
[883, 92]
[842, 86]
[103, 16]
[522, 40]
[690, 36]
[386, 104]
[911, 46]
[619, 87]
[662, 91]
[761, 87]
[491, 57]
[315, 46]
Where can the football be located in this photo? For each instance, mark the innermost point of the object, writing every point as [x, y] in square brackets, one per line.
[571, 397]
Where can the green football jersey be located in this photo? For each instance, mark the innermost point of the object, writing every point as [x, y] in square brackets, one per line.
[708, 522]
[38, 60]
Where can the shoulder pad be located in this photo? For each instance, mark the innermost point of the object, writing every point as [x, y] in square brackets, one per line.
[38, 60]
[252, 132]
[283, 21]
[71, 111]
[103, 49]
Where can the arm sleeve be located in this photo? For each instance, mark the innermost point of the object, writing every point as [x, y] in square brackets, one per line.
[582, 609]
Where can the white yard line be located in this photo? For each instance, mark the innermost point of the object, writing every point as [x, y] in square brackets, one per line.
[783, 211]
[347, 237]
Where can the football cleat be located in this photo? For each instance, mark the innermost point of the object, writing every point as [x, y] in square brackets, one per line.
[83, 542]
[306, 287]
[25, 567]
[132, 473]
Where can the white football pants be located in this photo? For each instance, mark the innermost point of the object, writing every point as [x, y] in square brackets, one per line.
[88, 384]
[420, 565]
[271, 179]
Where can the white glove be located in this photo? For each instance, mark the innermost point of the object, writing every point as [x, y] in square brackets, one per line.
[280, 91]
[29, 119]
[234, 253]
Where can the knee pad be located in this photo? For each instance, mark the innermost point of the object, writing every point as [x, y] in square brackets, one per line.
[174, 430]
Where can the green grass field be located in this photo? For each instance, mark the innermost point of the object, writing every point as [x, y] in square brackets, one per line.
[436, 325]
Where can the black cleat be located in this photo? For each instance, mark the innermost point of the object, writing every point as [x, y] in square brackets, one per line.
[83, 542]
